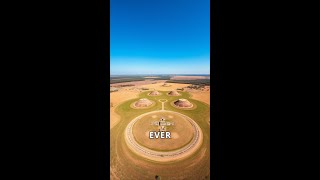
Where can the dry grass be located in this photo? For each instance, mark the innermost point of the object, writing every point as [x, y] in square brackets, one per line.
[200, 95]
[125, 164]
[117, 98]
[203, 96]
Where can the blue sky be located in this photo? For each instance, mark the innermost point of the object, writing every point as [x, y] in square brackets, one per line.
[159, 37]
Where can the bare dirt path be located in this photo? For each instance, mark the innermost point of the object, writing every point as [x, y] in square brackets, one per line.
[163, 101]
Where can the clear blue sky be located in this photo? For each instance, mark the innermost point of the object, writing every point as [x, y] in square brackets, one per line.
[160, 36]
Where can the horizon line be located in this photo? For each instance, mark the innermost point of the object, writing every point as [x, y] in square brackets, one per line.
[164, 74]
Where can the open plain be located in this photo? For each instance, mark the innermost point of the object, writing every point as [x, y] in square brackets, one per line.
[126, 163]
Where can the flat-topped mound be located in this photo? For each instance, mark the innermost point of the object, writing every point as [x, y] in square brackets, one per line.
[182, 129]
[173, 93]
[183, 103]
[143, 103]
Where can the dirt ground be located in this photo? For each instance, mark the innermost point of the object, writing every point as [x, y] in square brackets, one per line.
[201, 95]
[117, 98]
[189, 77]
[137, 83]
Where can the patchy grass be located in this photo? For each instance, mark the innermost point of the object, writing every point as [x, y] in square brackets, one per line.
[128, 165]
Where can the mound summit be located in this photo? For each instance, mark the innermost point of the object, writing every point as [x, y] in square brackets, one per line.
[173, 93]
[143, 103]
[154, 93]
[183, 103]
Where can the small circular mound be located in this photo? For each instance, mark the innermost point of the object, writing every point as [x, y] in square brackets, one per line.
[143, 103]
[183, 103]
[154, 93]
[173, 93]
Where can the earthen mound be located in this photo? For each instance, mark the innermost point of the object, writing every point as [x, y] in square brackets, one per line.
[143, 103]
[173, 93]
[154, 93]
[184, 103]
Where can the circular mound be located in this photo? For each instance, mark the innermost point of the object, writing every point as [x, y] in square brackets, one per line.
[154, 93]
[173, 93]
[183, 103]
[185, 139]
[142, 103]
[181, 131]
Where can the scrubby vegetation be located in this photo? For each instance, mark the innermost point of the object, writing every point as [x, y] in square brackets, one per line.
[204, 82]
[121, 79]
[125, 85]
[201, 86]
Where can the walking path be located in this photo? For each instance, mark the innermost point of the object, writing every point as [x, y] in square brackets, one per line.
[162, 103]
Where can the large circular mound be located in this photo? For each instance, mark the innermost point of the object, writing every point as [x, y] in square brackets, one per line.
[185, 139]
[143, 103]
[183, 103]
[173, 93]
[154, 93]
[181, 131]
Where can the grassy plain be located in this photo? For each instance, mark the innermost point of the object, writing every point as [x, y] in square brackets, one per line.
[125, 164]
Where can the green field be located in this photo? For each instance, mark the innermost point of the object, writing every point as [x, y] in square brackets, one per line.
[127, 165]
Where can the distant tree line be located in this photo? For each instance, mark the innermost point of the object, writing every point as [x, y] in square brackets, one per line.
[122, 79]
[204, 82]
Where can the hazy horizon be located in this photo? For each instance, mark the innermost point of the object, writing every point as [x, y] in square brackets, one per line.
[161, 74]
